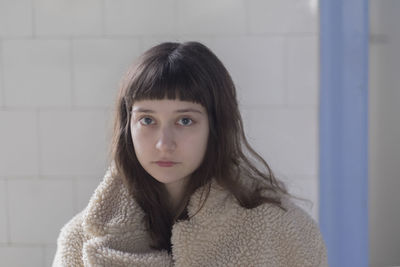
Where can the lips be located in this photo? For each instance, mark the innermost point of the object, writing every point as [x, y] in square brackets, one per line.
[165, 163]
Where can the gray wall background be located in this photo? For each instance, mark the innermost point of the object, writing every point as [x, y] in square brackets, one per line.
[60, 65]
[384, 130]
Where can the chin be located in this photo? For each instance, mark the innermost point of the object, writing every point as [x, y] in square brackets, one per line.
[169, 180]
[164, 180]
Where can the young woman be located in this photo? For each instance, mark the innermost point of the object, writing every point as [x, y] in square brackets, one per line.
[183, 188]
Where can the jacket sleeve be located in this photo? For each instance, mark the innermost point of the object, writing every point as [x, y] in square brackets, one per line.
[69, 243]
[303, 242]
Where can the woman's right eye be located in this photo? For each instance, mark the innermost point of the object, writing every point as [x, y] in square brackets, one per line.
[145, 120]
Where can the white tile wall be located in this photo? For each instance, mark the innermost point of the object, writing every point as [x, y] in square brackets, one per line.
[283, 16]
[37, 73]
[21, 256]
[1, 77]
[211, 17]
[256, 66]
[3, 213]
[85, 189]
[262, 127]
[64, 17]
[305, 190]
[72, 142]
[287, 138]
[139, 17]
[49, 252]
[98, 65]
[109, 122]
[15, 18]
[19, 143]
[151, 41]
[302, 70]
[60, 65]
[293, 161]
[38, 208]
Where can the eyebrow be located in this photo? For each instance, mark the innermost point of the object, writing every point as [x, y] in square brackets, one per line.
[177, 111]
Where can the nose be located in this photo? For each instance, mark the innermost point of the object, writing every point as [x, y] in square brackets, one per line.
[166, 141]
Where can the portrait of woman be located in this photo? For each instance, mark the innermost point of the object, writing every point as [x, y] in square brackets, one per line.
[184, 187]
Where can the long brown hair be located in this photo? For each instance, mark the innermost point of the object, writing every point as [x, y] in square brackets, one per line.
[189, 72]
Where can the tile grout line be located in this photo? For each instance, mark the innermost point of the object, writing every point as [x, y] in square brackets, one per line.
[43, 248]
[247, 28]
[175, 25]
[8, 224]
[33, 4]
[2, 88]
[133, 36]
[75, 194]
[39, 144]
[285, 71]
[72, 75]
[103, 18]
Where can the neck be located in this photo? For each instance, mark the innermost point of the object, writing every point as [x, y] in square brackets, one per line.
[175, 191]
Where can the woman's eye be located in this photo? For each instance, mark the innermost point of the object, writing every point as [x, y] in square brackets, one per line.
[146, 120]
[186, 121]
[182, 121]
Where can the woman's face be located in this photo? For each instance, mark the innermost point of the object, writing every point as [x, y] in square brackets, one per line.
[165, 131]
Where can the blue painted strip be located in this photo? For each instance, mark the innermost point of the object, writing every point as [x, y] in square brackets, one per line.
[344, 131]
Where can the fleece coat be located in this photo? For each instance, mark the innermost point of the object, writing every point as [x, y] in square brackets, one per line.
[110, 232]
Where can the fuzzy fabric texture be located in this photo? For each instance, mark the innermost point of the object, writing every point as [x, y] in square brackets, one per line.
[110, 232]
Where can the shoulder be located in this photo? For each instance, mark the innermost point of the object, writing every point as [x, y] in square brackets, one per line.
[292, 232]
[70, 242]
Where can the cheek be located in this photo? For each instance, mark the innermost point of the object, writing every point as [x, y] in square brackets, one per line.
[140, 141]
[197, 142]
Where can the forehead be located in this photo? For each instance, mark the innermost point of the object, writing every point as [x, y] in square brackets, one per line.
[167, 106]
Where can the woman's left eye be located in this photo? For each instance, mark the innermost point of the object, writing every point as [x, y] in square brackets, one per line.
[186, 121]
[145, 121]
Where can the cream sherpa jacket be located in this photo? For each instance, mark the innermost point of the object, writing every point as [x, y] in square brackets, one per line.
[109, 232]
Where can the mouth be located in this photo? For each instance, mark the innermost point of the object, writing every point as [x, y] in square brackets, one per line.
[165, 163]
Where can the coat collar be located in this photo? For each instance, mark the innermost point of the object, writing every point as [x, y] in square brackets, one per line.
[111, 210]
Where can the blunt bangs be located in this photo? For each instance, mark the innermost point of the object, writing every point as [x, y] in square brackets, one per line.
[170, 77]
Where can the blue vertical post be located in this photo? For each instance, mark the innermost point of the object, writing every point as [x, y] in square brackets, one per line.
[344, 131]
